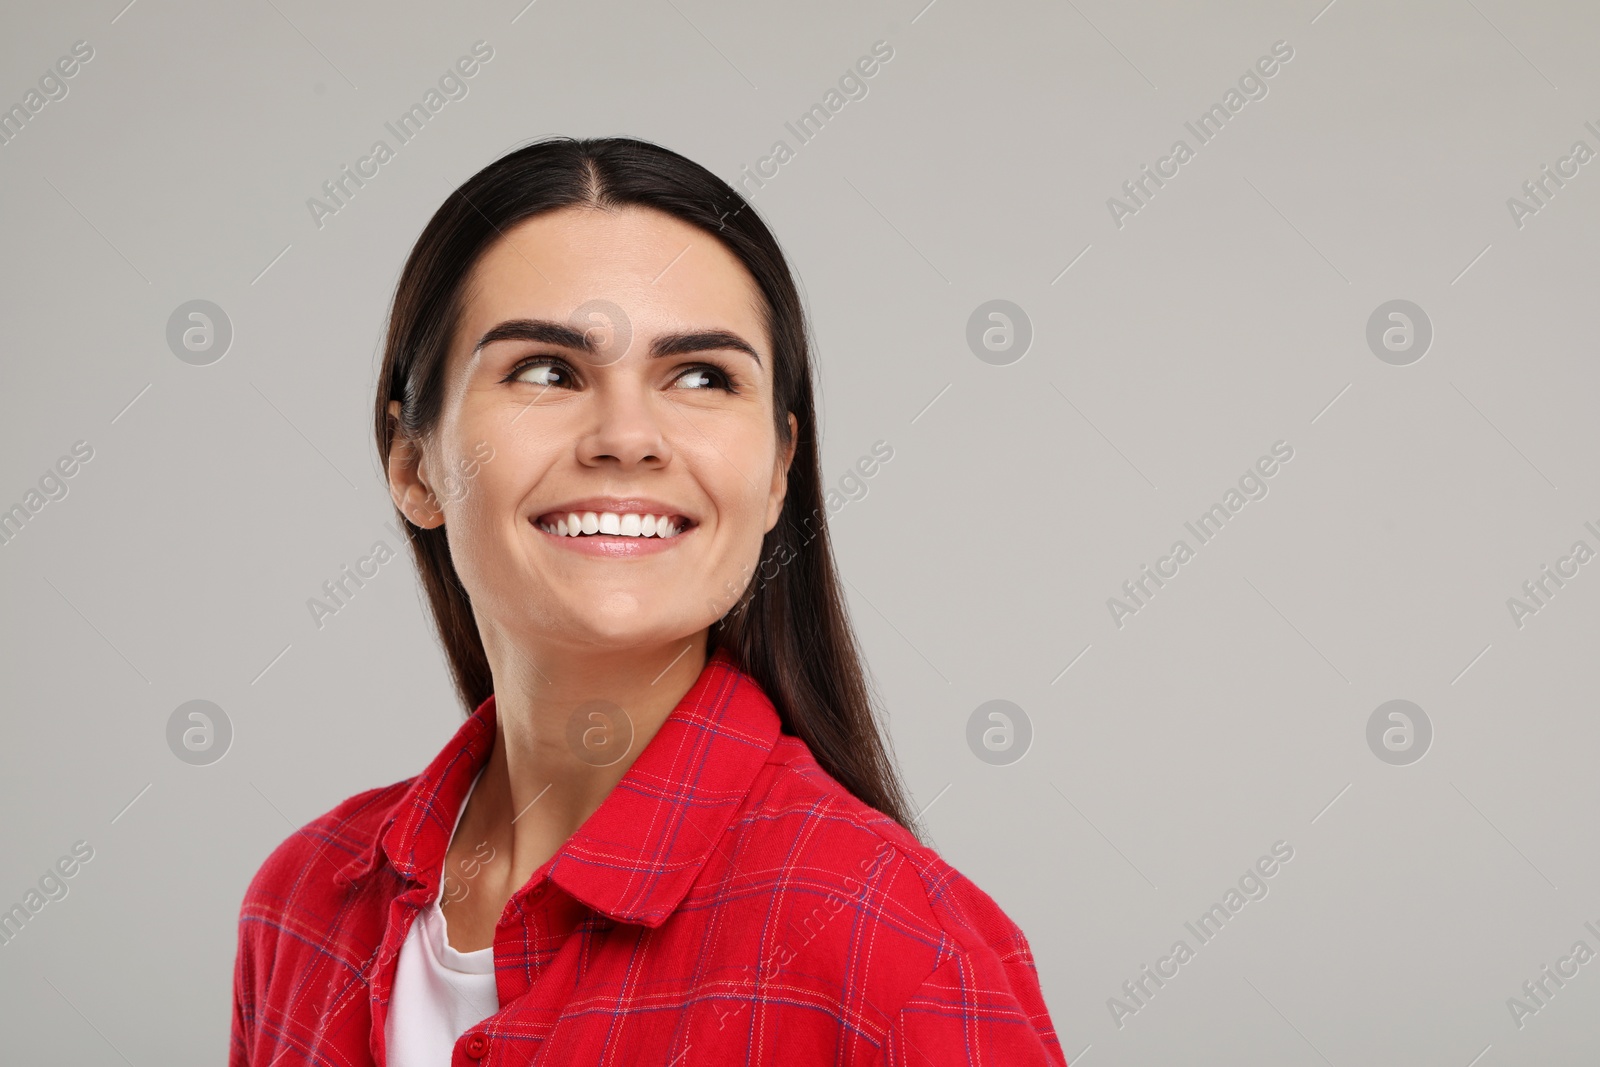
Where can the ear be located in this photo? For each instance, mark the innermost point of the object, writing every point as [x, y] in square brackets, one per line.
[408, 478]
[780, 474]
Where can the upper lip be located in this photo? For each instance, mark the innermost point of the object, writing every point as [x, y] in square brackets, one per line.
[620, 505]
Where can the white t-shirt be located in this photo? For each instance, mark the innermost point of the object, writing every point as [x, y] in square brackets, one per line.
[438, 992]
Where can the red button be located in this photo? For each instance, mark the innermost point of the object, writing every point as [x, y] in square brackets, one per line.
[477, 1045]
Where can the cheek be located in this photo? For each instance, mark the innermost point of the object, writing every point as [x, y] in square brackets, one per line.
[470, 494]
[735, 476]
[487, 498]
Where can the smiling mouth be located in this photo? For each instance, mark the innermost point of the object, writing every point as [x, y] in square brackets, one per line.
[612, 524]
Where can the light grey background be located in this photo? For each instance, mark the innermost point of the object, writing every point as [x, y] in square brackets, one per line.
[1229, 313]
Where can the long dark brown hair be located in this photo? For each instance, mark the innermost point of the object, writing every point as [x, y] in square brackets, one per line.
[788, 629]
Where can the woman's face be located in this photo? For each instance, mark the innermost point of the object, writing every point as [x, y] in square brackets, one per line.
[662, 419]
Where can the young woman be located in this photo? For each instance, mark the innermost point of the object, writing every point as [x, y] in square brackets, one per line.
[669, 832]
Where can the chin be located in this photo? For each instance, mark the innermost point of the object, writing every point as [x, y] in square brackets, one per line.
[624, 623]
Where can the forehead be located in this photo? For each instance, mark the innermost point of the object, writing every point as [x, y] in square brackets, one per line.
[663, 273]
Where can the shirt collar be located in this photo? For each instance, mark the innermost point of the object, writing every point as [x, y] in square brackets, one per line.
[635, 858]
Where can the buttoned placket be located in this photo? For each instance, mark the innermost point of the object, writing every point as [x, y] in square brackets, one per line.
[405, 908]
[536, 903]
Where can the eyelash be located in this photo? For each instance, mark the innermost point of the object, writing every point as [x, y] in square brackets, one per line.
[718, 375]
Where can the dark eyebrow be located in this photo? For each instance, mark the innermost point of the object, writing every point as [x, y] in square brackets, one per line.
[560, 333]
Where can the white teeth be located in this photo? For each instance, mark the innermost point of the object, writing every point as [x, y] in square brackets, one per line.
[630, 524]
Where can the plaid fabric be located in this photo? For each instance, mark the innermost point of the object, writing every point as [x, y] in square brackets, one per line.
[728, 903]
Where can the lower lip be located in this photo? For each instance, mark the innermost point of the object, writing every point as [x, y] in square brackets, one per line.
[613, 546]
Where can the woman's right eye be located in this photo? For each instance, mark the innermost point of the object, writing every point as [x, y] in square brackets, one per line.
[544, 371]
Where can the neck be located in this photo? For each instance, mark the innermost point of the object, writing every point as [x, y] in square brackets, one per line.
[569, 722]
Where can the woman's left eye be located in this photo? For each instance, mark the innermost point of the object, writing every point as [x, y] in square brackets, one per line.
[703, 377]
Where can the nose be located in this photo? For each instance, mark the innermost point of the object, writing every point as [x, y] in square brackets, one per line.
[627, 428]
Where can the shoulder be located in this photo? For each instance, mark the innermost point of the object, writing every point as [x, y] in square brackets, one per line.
[838, 843]
[937, 959]
[305, 868]
[299, 912]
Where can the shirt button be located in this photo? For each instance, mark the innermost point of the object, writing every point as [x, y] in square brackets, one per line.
[477, 1045]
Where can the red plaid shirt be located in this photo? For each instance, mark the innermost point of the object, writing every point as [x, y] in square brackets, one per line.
[728, 903]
